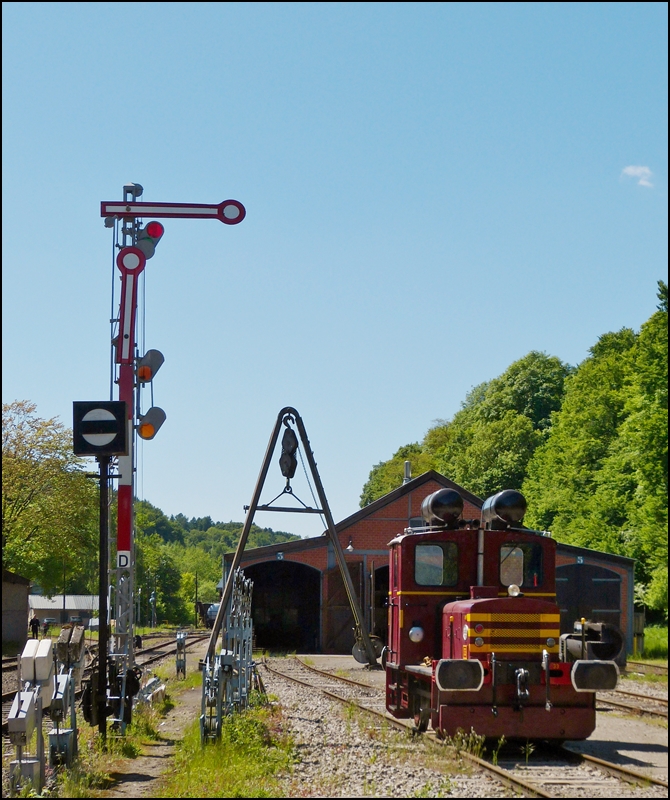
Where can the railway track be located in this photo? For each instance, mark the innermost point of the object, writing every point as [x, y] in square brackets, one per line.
[548, 771]
[634, 703]
[159, 652]
[648, 669]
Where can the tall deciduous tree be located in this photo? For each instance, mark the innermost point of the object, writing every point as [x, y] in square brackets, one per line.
[601, 479]
[490, 440]
[49, 507]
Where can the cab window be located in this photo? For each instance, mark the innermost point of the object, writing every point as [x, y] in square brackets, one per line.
[436, 564]
[521, 564]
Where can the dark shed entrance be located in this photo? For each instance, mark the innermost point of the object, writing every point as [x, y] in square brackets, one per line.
[589, 591]
[286, 605]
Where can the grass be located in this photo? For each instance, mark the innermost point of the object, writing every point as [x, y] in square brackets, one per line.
[91, 770]
[245, 762]
[655, 642]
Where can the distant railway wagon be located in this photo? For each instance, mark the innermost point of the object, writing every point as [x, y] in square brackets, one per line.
[474, 638]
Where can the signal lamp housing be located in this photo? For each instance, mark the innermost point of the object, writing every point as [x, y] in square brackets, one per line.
[148, 237]
[149, 365]
[149, 424]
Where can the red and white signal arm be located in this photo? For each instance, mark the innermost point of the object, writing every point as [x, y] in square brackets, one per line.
[131, 261]
[230, 212]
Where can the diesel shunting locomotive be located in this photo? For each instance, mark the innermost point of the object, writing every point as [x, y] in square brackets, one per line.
[474, 629]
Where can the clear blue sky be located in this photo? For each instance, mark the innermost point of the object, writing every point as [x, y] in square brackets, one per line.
[432, 191]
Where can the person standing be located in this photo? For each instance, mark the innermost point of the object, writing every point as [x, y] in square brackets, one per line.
[34, 627]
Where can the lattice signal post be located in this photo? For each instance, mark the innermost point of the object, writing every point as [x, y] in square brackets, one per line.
[137, 243]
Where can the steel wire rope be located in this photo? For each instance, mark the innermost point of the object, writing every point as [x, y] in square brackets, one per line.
[316, 505]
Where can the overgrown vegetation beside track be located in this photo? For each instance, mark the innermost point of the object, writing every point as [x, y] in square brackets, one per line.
[655, 642]
[252, 752]
[92, 769]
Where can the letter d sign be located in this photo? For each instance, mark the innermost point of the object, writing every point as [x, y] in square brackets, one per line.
[123, 559]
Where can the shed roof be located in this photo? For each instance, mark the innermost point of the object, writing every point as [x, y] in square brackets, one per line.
[12, 577]
[298, 545]
[73, 602]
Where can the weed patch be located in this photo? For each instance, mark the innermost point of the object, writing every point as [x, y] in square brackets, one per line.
[251, 752]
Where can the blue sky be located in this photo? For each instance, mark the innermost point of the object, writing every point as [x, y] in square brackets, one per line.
[432, 191]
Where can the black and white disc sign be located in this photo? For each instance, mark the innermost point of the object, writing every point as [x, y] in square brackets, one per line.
[100, 428]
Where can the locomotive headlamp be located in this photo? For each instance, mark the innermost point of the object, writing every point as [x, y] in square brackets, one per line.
[416, 634]
[513, 590]
[551, 642]
[479, 641]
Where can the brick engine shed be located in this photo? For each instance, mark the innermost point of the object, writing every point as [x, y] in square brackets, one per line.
[299, 601]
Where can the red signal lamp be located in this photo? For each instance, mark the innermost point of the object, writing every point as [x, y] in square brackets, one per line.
[155, 230]
[149, 236]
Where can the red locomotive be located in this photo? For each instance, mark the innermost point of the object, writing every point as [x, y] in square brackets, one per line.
[474, 629]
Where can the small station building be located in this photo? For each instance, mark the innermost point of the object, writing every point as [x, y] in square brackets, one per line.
[299, 600]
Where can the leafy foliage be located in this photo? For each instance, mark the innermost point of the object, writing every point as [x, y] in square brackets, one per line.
[49, 506]
[588, 446]
[489, 442]
[601, 479]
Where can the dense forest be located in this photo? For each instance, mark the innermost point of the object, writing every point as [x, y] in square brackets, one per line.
[587, 445]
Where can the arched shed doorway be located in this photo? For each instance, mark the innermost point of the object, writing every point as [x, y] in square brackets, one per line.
[286, 605]
[589, 591]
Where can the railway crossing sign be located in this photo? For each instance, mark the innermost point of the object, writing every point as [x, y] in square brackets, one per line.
[230, 212]
[100, 428]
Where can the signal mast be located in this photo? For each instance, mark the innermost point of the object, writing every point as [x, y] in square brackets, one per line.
[137, 244]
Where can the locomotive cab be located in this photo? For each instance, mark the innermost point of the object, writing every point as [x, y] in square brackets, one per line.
[474, 629]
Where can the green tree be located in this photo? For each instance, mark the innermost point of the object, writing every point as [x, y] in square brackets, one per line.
[490, 440]
[49, 506]
[495, 457]
[561, 475]
[389, 475]
[156, 571]
[601, 479]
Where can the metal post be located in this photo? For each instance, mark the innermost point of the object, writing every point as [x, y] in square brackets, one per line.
[373, 612]
[228, 585]
[102, 629]
[361, 632]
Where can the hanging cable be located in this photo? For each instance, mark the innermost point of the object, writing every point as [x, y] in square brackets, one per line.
[309, 483]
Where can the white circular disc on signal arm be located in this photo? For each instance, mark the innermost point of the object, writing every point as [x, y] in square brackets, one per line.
[231, 212]
[99, 439]
[131, 260]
